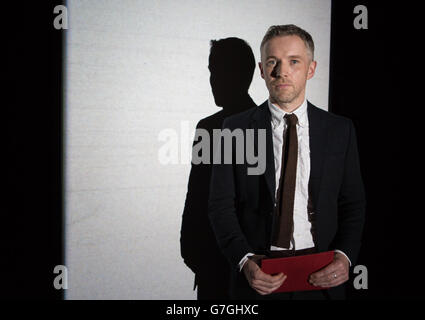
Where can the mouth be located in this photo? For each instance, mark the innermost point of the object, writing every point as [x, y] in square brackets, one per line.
[282, 85]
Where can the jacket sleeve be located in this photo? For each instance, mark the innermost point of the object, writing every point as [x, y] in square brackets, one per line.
[222, 210]
[351, 202]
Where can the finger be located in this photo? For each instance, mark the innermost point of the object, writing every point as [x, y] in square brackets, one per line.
[260, 275]
[331, 282]
[267, 289]
[262, 292]
[329, 272]
[330, 279]
[331, 268]
[269, 285]
[326, 277]
[263, 284]
[272, 279]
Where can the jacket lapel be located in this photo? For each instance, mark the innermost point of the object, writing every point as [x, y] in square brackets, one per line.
[318, 138]
[261, 120]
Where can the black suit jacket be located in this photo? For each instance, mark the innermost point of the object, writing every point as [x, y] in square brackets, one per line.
[241, 205]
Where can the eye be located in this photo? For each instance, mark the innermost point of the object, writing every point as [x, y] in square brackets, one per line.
[294, 61]
[271, 62]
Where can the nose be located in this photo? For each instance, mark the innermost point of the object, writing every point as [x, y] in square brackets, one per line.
[279, 71]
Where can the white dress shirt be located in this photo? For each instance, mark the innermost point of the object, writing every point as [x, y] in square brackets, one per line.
[302, 237]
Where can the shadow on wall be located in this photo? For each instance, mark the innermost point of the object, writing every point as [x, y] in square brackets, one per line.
[232, 65]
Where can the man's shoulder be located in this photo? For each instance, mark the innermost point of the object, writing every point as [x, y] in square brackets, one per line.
[329, 117]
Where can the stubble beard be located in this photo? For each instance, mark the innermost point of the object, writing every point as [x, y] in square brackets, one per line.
[284, 98]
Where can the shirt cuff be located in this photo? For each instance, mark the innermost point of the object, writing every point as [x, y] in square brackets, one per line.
[339, 251]
[243, 260]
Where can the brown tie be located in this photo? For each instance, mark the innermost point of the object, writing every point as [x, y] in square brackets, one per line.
[286, 190]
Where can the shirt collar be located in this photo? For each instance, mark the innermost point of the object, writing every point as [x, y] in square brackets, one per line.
[278, 114]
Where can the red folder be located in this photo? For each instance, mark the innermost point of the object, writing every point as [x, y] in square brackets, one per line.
[297, 269]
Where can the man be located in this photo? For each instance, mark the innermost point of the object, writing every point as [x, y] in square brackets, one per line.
[310, 197]
[231, 65]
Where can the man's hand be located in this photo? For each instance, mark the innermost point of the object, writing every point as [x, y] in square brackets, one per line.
[333, 275]
[262, 282]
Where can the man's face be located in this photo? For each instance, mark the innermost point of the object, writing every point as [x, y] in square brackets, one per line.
[286, 65]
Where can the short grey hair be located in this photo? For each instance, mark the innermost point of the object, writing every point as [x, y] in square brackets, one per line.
[289, 30]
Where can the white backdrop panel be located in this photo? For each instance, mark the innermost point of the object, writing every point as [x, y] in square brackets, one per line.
[134, 69]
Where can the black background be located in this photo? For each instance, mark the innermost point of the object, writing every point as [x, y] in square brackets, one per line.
[364, 77]
[365, 85]
[32, 227]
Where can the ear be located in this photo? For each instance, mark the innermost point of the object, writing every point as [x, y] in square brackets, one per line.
[311, 70]
[261, 69]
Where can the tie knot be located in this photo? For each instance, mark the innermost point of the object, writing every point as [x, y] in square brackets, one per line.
[291, 119]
